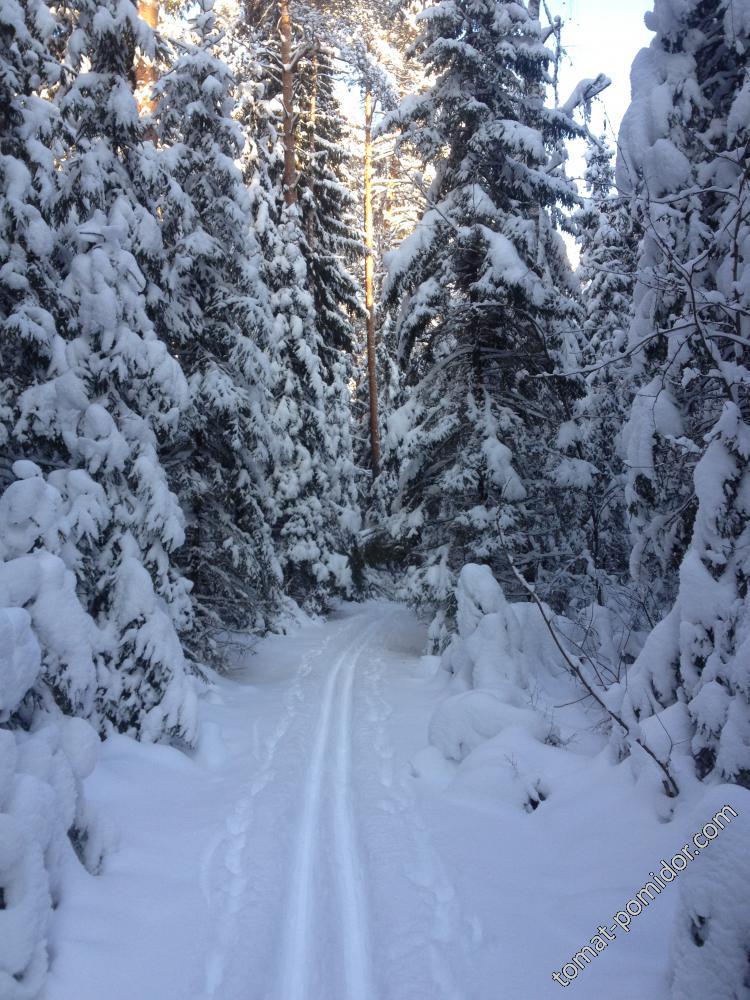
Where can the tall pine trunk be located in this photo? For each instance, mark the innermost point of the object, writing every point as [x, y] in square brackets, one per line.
[287, 98]
[145, 71]
[313, 114]
[372, 377]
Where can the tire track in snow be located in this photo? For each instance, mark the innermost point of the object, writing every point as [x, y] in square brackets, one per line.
[296, 952]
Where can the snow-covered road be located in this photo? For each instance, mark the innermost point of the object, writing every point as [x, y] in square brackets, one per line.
[297, 856]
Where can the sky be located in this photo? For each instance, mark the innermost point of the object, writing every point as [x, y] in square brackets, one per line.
[601, 36]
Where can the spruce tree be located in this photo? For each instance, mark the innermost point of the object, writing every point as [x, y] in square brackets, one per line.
[223, 444]
[29, 277]
[332, 247]
[306, 524]
[114, 393]
[483, 307]
[690, 264]
[41, 522]
[606, 272]
[327, 202]
[311, 531]
[688, 435]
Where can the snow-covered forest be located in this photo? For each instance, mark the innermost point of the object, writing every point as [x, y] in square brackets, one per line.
[374, 503]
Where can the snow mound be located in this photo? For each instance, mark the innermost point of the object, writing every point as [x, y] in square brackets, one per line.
[508, 770]
[496, 734]
[21, 660]
[486, 650]
[464, 721]
[43, 820]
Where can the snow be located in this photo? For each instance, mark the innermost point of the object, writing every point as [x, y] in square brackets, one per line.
[505, 263]
[740, 112]
[21, 660]
[708, 947]
[41, 584]
[575, 472]
[464, 721]
[339, 816]
[316, 843]
[30, 512]
[40, 801]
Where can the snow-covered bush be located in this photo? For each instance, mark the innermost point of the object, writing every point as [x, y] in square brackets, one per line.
[464, 721]
[512, 666]
[494, 738]
[37, 580]
[43, 815]
[486, 650]
[497, 723]
[500, 646]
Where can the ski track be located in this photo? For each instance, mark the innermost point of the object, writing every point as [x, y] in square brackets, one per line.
[296, 951]
[330, 858]
[230, 844]
[354, 911]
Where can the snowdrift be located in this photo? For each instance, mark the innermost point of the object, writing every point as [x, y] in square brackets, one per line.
[517, 731]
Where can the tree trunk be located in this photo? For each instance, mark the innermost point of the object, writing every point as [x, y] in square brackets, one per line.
[313, 98]
[313, 113]
[145, 71]
[287, 100]
[372, 377]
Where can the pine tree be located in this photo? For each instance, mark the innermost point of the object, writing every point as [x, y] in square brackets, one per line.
[113, 392]
[223, 445]
[483, 304]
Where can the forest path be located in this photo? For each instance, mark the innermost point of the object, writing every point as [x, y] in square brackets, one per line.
[324, 885]
[315, 847]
